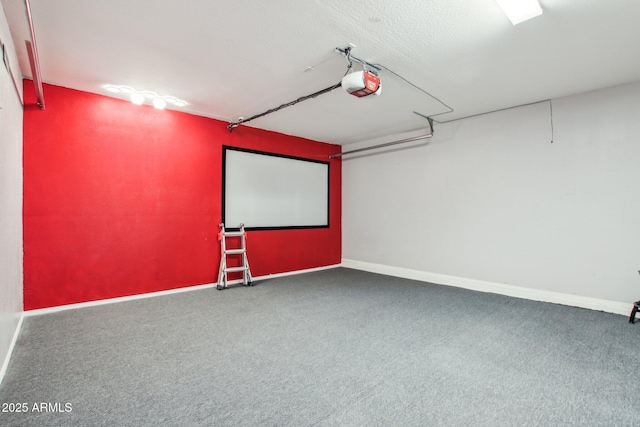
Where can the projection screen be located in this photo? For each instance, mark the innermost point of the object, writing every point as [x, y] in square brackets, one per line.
[271, 191]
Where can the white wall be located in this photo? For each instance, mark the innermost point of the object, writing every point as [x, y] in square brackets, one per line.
[11, 267]
[491, 199]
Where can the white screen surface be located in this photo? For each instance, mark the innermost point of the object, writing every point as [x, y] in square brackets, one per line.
[261, 190]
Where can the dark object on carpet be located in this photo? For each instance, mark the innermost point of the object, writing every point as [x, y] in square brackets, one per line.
[632, 317]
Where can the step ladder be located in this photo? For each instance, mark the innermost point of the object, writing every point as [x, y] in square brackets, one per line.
[224, 252]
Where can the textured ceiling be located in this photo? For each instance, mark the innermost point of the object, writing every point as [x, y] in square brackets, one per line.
[242, 57]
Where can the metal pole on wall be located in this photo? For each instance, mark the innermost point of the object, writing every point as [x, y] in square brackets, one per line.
[32, 50]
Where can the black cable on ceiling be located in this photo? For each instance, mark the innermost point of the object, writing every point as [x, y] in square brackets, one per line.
[232, 126]
[347, 53]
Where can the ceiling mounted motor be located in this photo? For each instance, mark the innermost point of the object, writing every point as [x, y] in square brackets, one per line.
[361, 83]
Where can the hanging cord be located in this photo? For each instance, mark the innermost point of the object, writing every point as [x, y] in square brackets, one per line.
[551, 120]
[347, 56]
[232, 126]
[417, 87]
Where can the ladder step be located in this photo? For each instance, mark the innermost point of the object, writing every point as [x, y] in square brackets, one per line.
[235, 251]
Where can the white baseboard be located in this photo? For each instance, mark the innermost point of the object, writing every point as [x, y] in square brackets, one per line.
[48, 310]
[7, 358]
[59, 308]
[292, 273]
[440, 279]
[496, 288]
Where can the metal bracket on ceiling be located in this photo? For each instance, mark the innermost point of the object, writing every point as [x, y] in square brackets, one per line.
[429, 119]
[346, 51]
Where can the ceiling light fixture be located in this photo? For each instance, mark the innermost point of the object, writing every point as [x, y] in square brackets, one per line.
[520, 10]
[159, 103]
[137, 98]
[140, 97]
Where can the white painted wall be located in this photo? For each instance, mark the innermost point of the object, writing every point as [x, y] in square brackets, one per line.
[491, 199]
[11, 266]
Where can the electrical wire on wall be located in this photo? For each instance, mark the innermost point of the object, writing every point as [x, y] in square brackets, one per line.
[503, 109]
[551, 118]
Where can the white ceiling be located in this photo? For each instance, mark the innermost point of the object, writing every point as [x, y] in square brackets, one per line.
[232, 58]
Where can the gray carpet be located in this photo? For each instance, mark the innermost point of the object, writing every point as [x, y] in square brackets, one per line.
[332, 348]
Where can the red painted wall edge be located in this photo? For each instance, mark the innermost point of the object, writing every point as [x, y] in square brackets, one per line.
[121, 199]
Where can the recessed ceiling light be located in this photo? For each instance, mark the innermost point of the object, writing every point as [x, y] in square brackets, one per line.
[520, 10]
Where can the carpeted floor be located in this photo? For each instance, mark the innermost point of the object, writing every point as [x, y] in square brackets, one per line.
[331, 348]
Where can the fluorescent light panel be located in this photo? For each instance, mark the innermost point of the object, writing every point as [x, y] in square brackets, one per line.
[520, 10]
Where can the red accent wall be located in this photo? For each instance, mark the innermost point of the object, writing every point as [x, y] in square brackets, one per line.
[121, 199]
